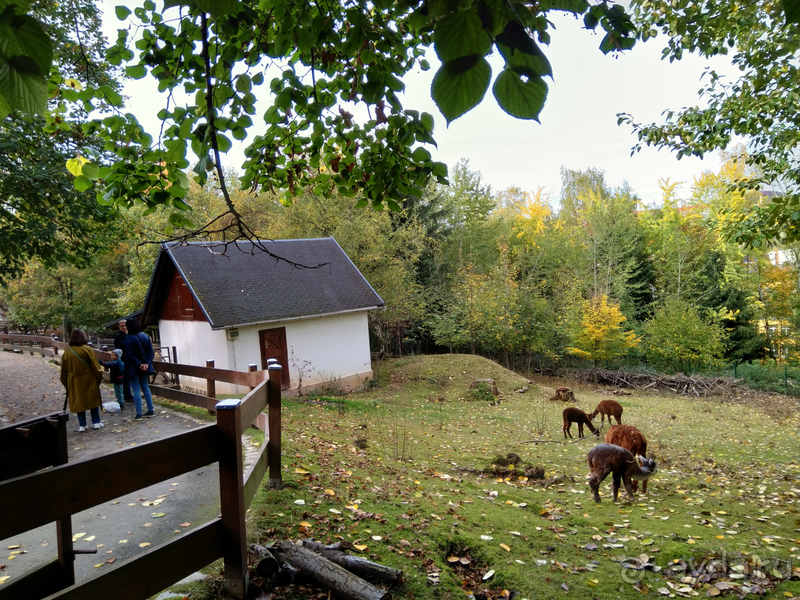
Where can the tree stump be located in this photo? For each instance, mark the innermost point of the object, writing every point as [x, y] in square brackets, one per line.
[563, 395]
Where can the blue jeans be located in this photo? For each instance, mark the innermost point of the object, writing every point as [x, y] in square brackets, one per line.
[126, 389]
[119, 394]
[95, 416]
[140, 386]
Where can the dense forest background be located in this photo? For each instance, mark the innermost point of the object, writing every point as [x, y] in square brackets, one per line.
[514, 275]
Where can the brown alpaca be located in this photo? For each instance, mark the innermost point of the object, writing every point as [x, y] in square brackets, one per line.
[608, 458]
[630, 438]
[576, 415]
[612, 408]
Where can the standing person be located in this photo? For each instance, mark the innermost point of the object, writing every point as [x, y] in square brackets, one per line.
[138, 355]
[119, 342]
[81, 374]
[117, 368]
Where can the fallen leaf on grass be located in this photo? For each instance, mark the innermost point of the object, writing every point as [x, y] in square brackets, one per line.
[505, 547]
[360, 547]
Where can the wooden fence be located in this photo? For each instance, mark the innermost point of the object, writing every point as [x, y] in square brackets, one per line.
[32, 500]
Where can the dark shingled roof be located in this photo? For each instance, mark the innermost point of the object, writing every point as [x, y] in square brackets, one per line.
[247, 286]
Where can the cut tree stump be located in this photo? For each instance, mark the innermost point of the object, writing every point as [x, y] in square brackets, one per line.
[563, 395]
[327, 573]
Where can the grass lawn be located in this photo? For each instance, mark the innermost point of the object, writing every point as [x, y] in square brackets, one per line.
[409, 472]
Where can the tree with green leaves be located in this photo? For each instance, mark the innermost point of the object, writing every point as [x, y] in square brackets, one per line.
[760, 105]
[677, 337]
[332, 57]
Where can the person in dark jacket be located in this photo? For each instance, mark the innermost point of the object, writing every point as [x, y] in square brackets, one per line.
[138, 354]
[117, 371]
[119, 343]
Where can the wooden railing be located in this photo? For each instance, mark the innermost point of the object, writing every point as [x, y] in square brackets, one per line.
[41, 344]
[29, 501]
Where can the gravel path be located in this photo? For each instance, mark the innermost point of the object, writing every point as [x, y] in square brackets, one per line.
[30, 386]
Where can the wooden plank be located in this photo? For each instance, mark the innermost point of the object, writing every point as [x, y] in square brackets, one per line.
[274, 436]
[231, 497]
[255, 474]
[152, 572]
[203, 372]
[253, 404]
[72, 488]
[41, 339]
[29, 446]
[36, 584]
[181, 396]
[42, 351]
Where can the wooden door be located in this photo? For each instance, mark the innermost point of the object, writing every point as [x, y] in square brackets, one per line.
[273, 345]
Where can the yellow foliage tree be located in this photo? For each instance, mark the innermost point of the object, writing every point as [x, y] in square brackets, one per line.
[600, 336]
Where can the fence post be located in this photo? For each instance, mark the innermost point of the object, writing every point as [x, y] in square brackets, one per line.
[211, 384]
[274, 420]
[231, 491]
[176, 380]
[252, 368]
[66, 554]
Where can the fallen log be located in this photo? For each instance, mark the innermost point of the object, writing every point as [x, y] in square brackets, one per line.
[327, 573]
[357, 565]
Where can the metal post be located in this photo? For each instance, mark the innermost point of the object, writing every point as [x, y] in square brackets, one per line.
[274, 426]
[231, 487]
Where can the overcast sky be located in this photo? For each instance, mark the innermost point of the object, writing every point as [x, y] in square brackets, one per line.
[578, 126]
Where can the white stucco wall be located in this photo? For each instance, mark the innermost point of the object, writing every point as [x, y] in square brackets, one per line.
[335, 347]
[196, 343]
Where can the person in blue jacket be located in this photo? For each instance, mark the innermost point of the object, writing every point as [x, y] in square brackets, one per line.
[138, 354]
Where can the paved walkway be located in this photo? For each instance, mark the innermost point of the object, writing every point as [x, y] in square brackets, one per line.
[30, 386]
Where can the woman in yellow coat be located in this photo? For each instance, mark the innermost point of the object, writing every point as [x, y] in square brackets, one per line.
[81, 374]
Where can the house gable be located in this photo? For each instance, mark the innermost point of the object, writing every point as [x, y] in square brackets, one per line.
[179, 304]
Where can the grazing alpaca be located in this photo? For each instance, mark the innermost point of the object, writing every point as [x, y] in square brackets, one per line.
[630, 438]
[576, 415]
[612, 408]
[608, 458]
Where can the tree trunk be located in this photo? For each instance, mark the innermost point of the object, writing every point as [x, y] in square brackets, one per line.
[355, 564]
[327, 573]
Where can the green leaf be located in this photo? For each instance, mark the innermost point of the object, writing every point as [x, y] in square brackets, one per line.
[577, 7]
[496, 14]
[519, 95]
[420, 155]
[217, 8]
[21, 85]
[82, 183]
[460, 85]
[91, 170]
[122, 12]
[24, 37]
[521, 52]
[461, 34]
[136, 71]
[223, 143]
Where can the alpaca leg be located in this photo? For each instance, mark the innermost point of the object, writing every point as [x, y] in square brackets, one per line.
[628, 487]
[567, 427]
[580, 430]
[619, 420]
[615, 486]
[594, 483]
[644, 486]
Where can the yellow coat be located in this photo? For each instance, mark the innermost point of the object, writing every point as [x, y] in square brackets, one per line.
[81, 380]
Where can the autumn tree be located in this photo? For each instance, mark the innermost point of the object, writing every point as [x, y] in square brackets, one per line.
[600, 335]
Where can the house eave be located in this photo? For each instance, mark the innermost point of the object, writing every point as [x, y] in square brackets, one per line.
[300, 318]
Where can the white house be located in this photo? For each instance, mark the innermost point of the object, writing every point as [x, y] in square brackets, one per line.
[302, 302]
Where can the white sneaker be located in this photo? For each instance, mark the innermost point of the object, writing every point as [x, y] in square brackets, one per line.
[98, 425]
[81, 429]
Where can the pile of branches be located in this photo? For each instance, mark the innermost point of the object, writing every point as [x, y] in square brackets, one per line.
[696, 385]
